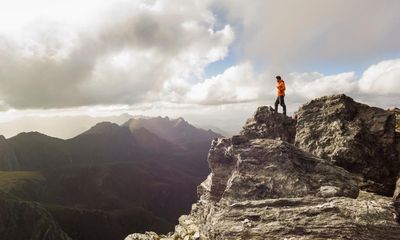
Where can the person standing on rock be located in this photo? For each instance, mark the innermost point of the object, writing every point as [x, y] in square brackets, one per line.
[280, 100]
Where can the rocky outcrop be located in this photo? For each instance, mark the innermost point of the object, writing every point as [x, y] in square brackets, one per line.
[8, 159]
[354, 136]
[270, 169]
[264, 188]
[266, 123]
[368, 217]
[269, 189]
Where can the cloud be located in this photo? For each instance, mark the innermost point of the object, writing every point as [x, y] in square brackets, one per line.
[382, 78]
[379, 85]
[224, 101]
[236, 84]
[306, 86]
[290, 34]
[132, 52]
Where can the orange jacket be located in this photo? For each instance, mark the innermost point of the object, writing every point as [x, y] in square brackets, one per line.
[281, 88]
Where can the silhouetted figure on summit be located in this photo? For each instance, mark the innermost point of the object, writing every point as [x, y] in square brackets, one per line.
[281, 94]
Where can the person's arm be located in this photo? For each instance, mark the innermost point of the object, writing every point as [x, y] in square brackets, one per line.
[281, 86]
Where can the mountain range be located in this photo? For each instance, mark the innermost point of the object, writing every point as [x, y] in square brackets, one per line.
[102, 184]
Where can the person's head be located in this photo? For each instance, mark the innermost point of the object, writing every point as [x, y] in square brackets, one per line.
[278, 78]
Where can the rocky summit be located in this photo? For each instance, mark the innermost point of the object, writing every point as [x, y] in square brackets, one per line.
[330, 184]
[355, 136]
[266, 124]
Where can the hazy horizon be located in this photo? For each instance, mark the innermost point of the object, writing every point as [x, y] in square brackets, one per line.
[69, 125]
[66, 127]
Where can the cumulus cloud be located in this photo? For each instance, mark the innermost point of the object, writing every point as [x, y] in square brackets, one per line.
[287, 34]
[236, 84]
[378, 85]
[127, 58]
[382, 78]
[305, 86]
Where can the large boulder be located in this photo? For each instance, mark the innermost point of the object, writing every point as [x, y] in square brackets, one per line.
[266, 123]
[365, 218]
[269, 169]
[354, 136]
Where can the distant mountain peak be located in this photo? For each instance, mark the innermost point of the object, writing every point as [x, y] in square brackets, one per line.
[34, 135]
[181, 122]
[177, 131]
[102, 127]
[105, 125]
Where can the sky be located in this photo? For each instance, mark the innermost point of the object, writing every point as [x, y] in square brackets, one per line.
[212, 62]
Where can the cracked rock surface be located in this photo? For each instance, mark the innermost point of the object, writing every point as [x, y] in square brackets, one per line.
[357, 137]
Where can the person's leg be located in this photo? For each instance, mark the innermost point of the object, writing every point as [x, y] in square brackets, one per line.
[282, 102]
[276, 104]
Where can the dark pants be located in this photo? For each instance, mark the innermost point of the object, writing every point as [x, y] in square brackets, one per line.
[280, 100]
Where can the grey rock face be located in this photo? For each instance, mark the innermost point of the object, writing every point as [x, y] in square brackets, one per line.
[357, 137]
[8, 159]
[292, 218]
[266, 123]
[269, 169]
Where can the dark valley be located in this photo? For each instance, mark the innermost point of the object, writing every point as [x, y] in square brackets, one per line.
[102, 184]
